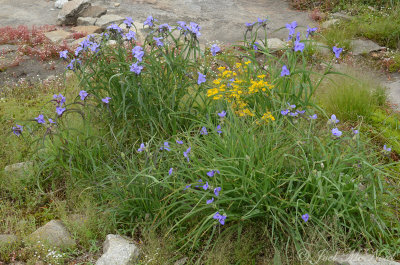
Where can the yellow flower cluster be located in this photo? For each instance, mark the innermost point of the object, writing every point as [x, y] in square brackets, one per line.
[230, 87]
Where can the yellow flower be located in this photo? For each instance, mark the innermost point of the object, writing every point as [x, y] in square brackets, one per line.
[221, 68]
[261, 76]
[238, 65]
[217, 81]
[248, 62]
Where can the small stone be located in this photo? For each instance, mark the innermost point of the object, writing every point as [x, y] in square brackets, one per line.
[118, 251]
[6, 48]
[117, 4]
[19, 169]
[94, 11]
[360, 259]
[329, 23]
[364, 47]
[322, 48]
[87, 29]
[53, 233]
[57, 36]
[86, 21]
[181, 261]
[275, 44]
[7, 239]
[107, 20]
[60, 3]
[71, 11]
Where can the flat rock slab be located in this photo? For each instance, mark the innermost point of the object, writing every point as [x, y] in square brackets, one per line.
[106, 20]
[361, 259]
[86, 21]
[394, 91]
[55, 234]
[94, 11]
[364, 46]
[19, 169]
[87, 29]
[57, 36]
[118, 251]
[7, 239]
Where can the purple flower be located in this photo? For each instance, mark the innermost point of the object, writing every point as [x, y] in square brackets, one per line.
[333, 119]
[182, 25]
[60, 111]
[301, 112]
[298, 46]
[141, 148]
[164, 27]
[210, 200]
[310, 31]
[159, 43]
[83, 94]
[203, 131]
[17, 130]
[165, 147]
[285, 71]
[337, 51]
[94, 47]
[149, 21]
[294, 114]
[40, 119]
[186, 153]
[261, 21]
[217, 190]
[138, 53]
[63, 54]
[195, 29]
[130, 35]
[313, 117]
[170, 171]
[128, 21]
[219, 129]
[220, 218]
[291, 27]
[387, 149]
[285, 112]
[201, 78]
[200, 181]
[336, 132]
[78, 50]
[106, 100]
[305, 217]
[179, 142]
[71, 65]
[51, 121]
[222, 114]
[114, 27]
[212, 173]
[355, 131]
[205, 186]
[215, 49]
[291, 106]
[188, 186]
[250, 25]
[59, 99]
[135, 68]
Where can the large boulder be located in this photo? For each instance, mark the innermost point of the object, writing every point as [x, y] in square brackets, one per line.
[71, 11]
[86, 21]
[94, 11]
[53, 233]
[118, 251]
[107, 20]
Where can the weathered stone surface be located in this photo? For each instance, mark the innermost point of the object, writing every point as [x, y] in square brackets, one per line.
[53, 233]
[181, 261]
[86, 21]
[394, 91]
[7, 239]
[329, 23]
[118, 251]
[6, 48]
[60, 3]
[71, 11]
[107, 20]
[275, 44]
[361, 259]
[57, 36]
[364, 46]
[322, 48]
[87, 29]
[94, 11]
